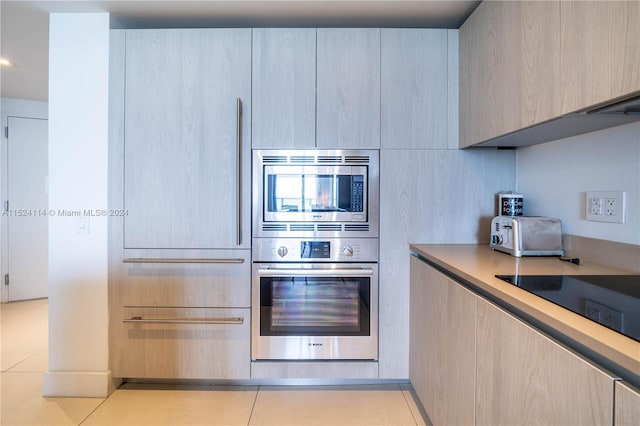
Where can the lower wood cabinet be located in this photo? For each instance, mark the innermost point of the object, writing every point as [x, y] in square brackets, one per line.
[471, 362]
[523, 377]
[183, 343]
[442, 354]
[627, 406]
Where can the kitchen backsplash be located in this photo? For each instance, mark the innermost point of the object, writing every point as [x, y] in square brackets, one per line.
[555, 176]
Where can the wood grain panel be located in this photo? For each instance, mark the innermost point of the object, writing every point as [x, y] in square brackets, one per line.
[414, 88]
[348, 88]
[185, 351]
[627, 405]
[511, 59]
[284, 88]
[600, 52]
[464, 94]
[539, 61]
[117, 45]
[423, 192]
[442, 355]
[180, 147]
[188, 284]
[524, 377]
[393, 346]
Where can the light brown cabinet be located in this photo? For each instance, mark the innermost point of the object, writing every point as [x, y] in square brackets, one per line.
[179, 279]
[414, 88]
[348, 88]
[284, 88]
[600, 57]
[627, 405]
[523, 63]
[523, 377]
[442, 356]
[184, 343]
[509, 53]
[183, 150]
[471, 362]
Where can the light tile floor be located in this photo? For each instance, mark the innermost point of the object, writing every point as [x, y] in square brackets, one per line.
[24, 358]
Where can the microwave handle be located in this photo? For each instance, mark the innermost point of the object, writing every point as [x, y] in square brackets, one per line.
[292, 272]
[239, 171]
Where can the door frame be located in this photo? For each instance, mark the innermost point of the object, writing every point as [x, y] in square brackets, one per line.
[17, 108]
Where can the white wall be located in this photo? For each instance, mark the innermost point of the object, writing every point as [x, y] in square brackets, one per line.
[78, 145]
[553, 177]
[11, 107]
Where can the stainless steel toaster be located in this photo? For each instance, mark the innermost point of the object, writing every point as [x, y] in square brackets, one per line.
[527, 235]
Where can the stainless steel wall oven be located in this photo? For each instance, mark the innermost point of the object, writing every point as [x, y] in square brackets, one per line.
[315, 255]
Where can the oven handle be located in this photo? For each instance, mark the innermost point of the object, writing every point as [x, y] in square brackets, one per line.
[352, 272]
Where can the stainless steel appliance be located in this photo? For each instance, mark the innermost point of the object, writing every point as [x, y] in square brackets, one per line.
[327, 193]
[315, 255]
[527, 235]
[308, 303]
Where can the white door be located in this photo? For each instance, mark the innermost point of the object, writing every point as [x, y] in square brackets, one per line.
[27, 222]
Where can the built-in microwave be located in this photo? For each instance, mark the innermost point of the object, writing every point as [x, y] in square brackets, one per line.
[315, 192]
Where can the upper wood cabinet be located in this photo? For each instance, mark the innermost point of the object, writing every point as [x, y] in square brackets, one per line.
[348, 88]
[414, 89]
[527, 62]
[316, 88]
[509, 53]
[284, 88]
[600, 52]
[182, 150]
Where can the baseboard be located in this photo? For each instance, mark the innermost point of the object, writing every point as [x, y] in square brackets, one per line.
[604, 252]
[81, 384]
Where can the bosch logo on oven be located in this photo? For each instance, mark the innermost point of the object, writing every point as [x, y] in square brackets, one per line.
[314, 344]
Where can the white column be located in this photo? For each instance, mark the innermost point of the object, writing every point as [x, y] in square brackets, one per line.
[78, 162]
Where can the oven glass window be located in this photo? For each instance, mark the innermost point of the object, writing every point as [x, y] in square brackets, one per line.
[315, 306]
[315, 193]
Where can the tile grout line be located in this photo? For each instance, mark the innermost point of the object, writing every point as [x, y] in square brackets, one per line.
[254, 405]
[404, 395]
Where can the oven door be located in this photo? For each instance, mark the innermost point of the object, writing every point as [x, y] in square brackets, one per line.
[315, 311]
[315, 194]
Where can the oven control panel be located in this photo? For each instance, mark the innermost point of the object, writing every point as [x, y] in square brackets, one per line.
[315, 250]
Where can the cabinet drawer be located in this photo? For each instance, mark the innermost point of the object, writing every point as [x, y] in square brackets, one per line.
[218, 280]
[184, 343]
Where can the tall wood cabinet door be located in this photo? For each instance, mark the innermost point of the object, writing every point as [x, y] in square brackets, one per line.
[442, 355]
[181, 186]
[523, 377]
[284, 88]
[348, 88]
[414, 88]
[627, 405]
[600, 51]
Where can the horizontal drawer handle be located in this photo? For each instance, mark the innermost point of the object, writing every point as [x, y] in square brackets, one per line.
[178, 260]
[353, 272]
[140, 320]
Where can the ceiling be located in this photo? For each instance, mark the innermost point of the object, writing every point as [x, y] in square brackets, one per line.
[24, 34]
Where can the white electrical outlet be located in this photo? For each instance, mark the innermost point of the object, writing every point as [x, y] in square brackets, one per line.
[605, 206]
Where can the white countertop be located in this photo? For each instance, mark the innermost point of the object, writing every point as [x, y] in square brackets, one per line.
[477, 264]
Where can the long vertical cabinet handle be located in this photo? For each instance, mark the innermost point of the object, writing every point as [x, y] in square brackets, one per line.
[239, 171]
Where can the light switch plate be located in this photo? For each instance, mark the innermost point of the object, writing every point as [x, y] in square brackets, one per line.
[605, 206]
[82, 225]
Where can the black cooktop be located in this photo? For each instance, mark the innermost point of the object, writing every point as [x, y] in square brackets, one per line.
[611, 300]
